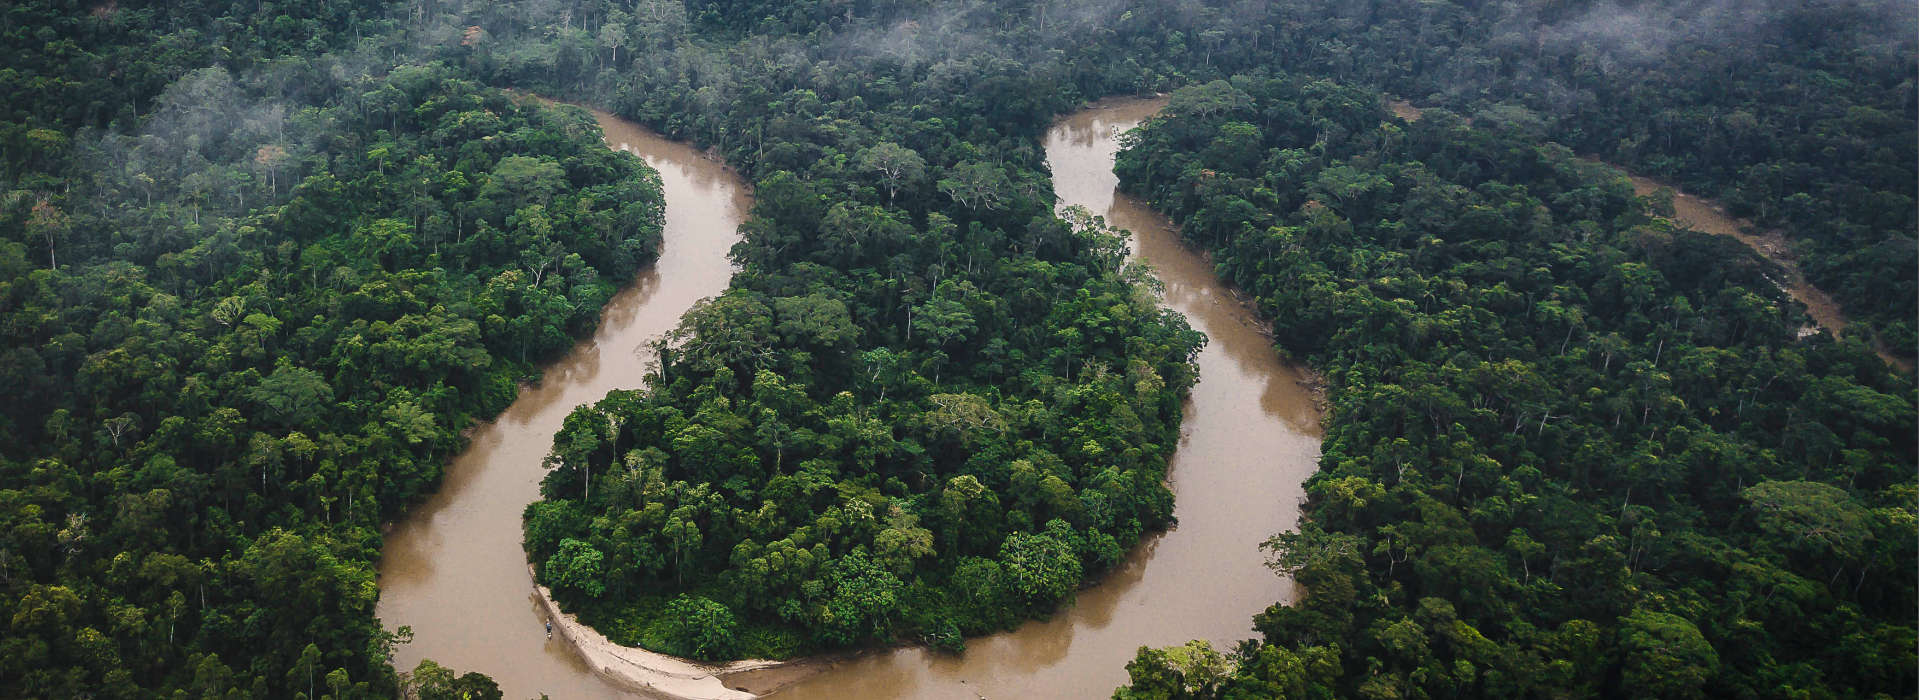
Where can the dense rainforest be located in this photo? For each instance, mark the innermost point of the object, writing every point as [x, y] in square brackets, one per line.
[261, 262]
[244, 328]
[926, 408]
[1574, 449]
[1800, 115]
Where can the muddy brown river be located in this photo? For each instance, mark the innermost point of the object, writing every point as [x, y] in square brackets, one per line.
[455, 571]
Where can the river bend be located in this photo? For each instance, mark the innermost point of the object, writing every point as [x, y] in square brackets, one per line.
[1250, 438]
[454, 569]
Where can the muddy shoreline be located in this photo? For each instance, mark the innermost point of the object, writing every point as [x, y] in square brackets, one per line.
[646, 672]
[454, 569]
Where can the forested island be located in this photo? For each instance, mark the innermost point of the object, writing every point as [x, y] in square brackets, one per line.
[261, 264]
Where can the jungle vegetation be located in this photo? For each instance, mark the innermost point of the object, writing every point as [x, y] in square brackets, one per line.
[243, 329]
[1574, 448]
[261, 262]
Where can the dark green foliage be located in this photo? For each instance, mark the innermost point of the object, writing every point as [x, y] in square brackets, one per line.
[431, 681]
[701, 628]
[926, 407]
[575, 568]
[1567, 453]
[72, 64]
[282, 289]
[1800, 115]
[894, 394]
[1194, 670]
[1664, 656]
[1041, 568]
[259, 345]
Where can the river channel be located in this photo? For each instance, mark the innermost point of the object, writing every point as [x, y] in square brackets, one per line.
[454, 569]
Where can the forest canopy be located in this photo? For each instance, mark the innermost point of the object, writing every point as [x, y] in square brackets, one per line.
[925, 409]
[260, 263]
[1573, 448]
[247, 334]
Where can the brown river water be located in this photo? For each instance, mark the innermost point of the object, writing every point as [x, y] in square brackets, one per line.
[455, 571]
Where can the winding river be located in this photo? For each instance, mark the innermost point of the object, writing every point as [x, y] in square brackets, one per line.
[455, 571]
[1251, 436]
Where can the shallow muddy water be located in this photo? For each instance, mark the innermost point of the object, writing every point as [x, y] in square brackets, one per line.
[454, 569]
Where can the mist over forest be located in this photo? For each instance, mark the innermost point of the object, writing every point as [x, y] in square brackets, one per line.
[262, 265]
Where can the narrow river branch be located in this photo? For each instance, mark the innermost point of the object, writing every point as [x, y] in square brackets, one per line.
[454, 569]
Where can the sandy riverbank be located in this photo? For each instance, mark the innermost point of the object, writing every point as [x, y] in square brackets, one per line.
[642, 671]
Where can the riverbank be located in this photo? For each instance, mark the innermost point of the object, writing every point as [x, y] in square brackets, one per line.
[642, 671]
[454, 569]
